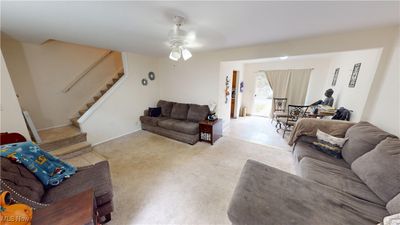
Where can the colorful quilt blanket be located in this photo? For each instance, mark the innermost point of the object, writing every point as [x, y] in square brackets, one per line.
[47, 168]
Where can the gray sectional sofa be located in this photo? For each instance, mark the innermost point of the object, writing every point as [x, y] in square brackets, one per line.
[178, 121]
[361, 188]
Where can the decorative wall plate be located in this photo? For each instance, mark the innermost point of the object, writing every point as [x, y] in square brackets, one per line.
[152, 76]
[144, 81]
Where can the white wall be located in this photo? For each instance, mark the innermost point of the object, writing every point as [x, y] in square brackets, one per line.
[383, 109]
[119, 113]
[40, 73]
[12, 119]
[196, 80]
[353, 98]
[224, 108]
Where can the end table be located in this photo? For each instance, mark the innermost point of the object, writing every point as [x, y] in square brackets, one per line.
[210, 131]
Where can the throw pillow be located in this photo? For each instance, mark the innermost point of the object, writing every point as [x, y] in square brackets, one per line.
[363, 137]
[155, 112]
[336, 141]
[380, 169]
[329, 144]
[393, 206]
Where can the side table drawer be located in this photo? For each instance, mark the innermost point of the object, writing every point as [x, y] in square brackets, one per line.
[205, 129]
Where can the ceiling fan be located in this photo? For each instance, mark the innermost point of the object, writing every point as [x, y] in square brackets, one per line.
[178, 41]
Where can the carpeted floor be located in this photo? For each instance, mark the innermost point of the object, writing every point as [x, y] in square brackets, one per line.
[157, 180]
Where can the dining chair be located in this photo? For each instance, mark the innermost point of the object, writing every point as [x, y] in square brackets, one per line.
[279, 109]
[294, 113]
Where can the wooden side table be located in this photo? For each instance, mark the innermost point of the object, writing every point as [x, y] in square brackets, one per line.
[77, 210]
[210, 131]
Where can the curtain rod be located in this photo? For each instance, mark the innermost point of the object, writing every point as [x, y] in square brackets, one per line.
[288, 69]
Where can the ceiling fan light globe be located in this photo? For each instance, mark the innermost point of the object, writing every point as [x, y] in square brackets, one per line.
[186, 54]
[175, 54]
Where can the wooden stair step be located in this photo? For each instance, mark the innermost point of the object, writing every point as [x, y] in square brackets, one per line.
[115, 80]
[72, 150]
[120, 74]
[109, 86]
[74, 122]
[103, 91]
[96, 98]
[82, 111]
[90, 104]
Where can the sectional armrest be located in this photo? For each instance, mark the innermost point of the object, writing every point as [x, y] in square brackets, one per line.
[146, 112]
[309, 127]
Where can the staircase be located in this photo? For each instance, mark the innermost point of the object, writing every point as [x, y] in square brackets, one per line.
[68, 141]
[84, 109]
[64, 142]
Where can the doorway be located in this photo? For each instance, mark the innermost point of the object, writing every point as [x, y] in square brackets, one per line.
[234, 94]
[262, 101]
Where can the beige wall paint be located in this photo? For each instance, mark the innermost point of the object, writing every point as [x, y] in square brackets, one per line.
[224, 108]
[353, 98]
[383, 108]
[12, 119]
[197, 80]
[41, 72]
[119, 113]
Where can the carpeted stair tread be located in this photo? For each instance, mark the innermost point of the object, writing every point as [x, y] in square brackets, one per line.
[56, 138]
[72, 150]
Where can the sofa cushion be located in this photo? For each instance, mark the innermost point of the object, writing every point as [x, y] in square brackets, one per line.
[306, 149]
[197, 113]
[393, 206]
[337, 177]
[96, 177]
[166, 107]
[20, 179]
[186, 127]
[179, 111]
[265, 195]
[363, 137]
[380, 169]
[151, 120]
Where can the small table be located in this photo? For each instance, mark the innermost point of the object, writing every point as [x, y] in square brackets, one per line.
[77, 210]
[210, 131]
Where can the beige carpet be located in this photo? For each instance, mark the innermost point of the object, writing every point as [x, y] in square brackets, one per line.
[160, 181]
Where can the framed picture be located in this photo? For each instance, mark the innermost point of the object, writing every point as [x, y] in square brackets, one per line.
[354, 75]
[335, 76]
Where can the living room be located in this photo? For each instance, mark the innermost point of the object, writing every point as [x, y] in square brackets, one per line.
[135, 94]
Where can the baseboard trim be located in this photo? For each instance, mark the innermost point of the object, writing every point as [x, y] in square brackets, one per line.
[118, 136]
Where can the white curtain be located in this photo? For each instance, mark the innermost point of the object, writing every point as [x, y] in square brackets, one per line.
[298, 86]
[290, 84]
[279, 82]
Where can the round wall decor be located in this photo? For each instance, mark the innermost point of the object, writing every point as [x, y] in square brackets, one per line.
[144, 81]
[152, 76]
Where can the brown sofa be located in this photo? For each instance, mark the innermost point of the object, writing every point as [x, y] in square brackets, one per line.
[361, 188]
[178, 121]
[26, 188]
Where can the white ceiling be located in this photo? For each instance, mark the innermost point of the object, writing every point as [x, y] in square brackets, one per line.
[142, 27]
